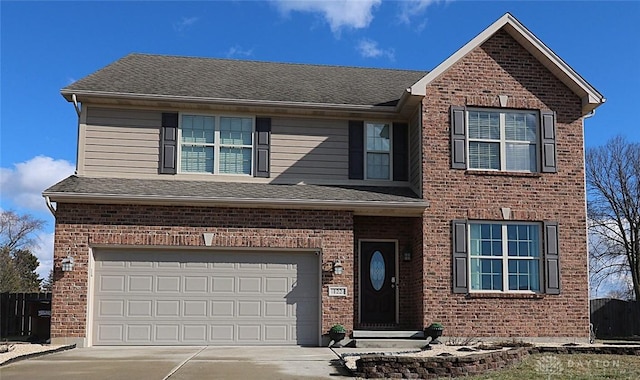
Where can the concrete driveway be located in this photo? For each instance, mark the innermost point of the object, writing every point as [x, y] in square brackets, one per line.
[179, 363]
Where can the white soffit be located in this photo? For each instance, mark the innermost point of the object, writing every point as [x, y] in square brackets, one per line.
[591, 98]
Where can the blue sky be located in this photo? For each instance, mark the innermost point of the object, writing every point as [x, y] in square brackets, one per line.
[48, 45]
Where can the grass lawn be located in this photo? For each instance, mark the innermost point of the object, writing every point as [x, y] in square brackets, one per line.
[569, 366]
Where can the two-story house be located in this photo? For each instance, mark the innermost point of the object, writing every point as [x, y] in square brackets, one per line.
[227, 202]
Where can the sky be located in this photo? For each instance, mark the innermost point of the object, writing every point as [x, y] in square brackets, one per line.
[46, 46]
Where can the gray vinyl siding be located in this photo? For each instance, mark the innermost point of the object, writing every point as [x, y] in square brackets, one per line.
[308, 149]
[121, 141]
[415, 152]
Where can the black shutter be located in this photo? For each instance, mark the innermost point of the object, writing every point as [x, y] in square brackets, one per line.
[169, 143]
[459, 259]
[548, 141]
[263, 147]
[458, 138]
[400, 152]
[356, 149]
[551, 258]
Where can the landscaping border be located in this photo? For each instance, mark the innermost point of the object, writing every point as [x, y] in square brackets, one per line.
[411, 367]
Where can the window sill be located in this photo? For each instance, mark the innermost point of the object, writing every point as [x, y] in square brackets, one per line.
[534, 296]
[502, 173]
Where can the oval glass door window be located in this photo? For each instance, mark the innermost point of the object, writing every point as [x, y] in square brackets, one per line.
[377, 270]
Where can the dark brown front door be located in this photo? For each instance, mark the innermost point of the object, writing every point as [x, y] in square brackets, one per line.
[378, 282]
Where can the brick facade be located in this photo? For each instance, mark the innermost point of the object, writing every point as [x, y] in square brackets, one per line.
[501, 66]
[80, 227]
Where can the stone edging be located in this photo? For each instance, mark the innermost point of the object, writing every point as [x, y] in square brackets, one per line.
[407, 367]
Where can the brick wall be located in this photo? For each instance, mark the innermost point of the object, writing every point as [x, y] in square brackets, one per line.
[502, 67]
[81, 226]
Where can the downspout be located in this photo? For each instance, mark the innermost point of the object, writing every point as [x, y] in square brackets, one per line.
[75, 104]
[50, 205]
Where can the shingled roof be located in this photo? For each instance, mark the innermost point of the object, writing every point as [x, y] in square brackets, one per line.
[207, 78]
[118, 190]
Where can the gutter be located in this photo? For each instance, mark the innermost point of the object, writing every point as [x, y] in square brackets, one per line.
[71, 96]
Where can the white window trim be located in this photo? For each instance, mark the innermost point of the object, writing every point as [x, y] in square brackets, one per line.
[216, 144]
[503, 141]
[390, 151]
[505, 257]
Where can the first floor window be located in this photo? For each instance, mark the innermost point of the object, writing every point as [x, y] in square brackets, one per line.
[504, 257]
[216, 144]
[378, 151]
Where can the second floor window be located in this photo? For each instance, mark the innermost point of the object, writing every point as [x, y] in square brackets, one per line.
[378, 151]
[216, 144]
[502, 140]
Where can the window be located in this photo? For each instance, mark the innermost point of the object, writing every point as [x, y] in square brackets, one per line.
[504, 257]
[216, 144]
[378, 151]
[502, 140]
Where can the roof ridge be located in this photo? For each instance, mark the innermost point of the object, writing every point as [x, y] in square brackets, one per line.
[269, 62]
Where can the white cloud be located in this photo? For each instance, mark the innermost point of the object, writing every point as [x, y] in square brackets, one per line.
[338, 14]
[410, 9]
[23, 184]
[369, 49]
[184, 23]
[238, 51]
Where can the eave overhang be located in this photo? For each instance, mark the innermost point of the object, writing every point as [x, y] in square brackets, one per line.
[357, 207]
[591, 98]
[175, 101]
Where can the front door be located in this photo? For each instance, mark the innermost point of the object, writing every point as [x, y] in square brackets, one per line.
[377, 282]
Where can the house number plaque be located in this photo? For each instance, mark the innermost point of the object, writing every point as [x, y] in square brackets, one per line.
[337, 291]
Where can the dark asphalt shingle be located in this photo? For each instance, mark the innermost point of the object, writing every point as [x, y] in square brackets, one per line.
[248, 80]
[126, 187]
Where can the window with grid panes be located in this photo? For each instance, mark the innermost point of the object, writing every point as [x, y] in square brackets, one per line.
[502, 140]
[216, 144]
[504, 257]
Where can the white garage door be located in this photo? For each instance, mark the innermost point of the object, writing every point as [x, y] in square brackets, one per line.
[205, 297]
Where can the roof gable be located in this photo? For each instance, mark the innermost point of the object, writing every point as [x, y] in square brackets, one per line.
[591, 98]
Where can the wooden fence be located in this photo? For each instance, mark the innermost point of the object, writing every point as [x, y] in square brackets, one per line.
[613, 318]
[25, 315]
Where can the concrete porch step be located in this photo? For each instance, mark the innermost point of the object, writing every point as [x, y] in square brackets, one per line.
[389, 334]
[406, 339]
[388, 343]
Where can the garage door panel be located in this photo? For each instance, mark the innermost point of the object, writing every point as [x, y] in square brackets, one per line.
[112, 283]
[110, 308]
[223, 285]
[139, 333]
[277, 285]
[194, 333]
[220, 308]
[222, 333]
[111, 333]
[137, 308]
[141, 283]
[249, 285]
[195, 308]
[194, 284]
[168, 284]
[276, 309]
[197, 297]
[168, 308]
[167, 333]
